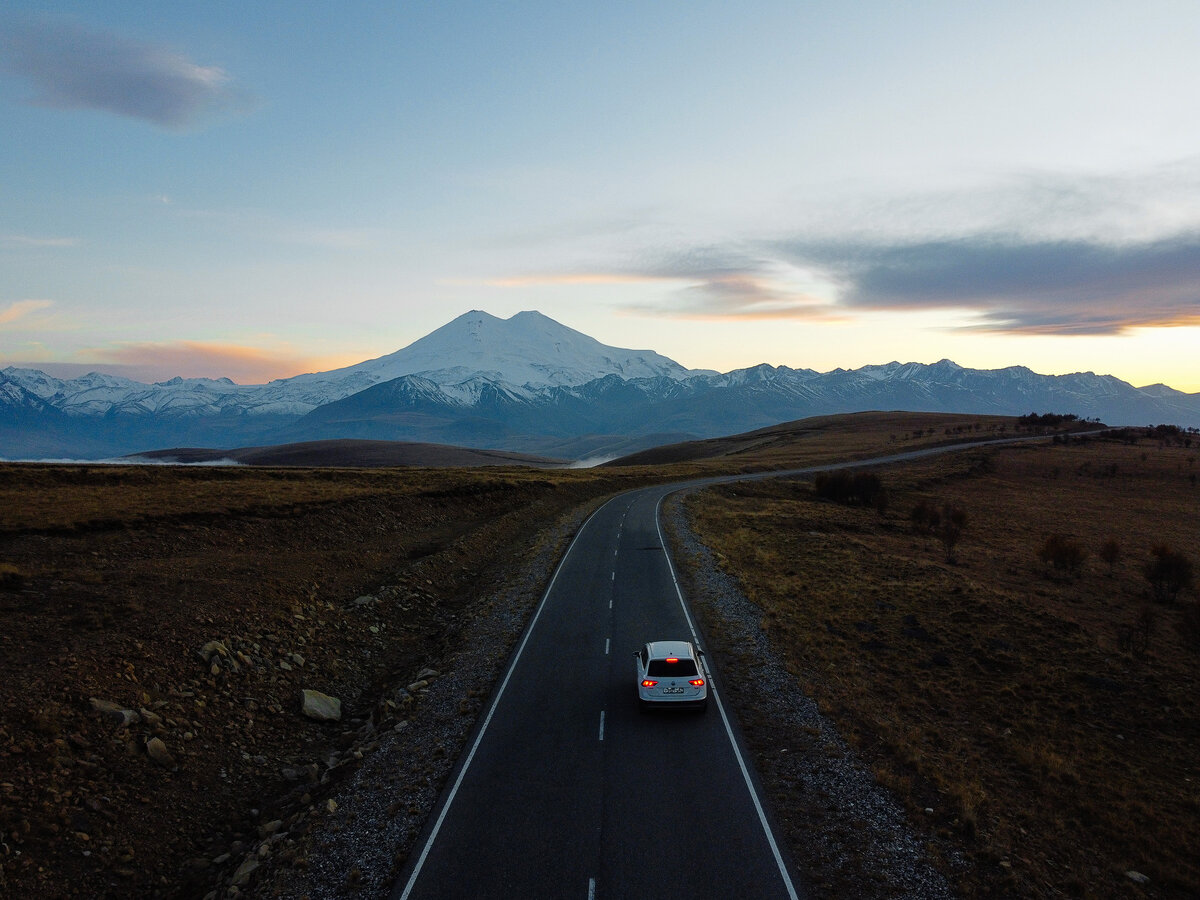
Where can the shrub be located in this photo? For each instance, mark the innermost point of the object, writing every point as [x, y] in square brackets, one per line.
[952, 522]
[853, 488]
[1063, 553]
[1169, 572]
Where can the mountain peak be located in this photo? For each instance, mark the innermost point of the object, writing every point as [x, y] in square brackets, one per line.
[528, 349]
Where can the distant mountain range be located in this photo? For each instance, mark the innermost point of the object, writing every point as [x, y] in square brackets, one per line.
[526, 384]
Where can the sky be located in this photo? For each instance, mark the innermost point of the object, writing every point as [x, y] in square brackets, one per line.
[255, 190]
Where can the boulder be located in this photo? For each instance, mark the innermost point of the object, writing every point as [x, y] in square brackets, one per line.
[320, 706]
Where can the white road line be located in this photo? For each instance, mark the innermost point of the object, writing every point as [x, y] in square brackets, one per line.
[601, 724]
[610, 602]
[591, 889]
[762, 815]
[607, 645]
[437, 827]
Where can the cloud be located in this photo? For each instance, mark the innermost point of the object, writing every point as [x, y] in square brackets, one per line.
[707, 283]
[73, 67]
[1069, 287]
[22, 309]
[195, 359]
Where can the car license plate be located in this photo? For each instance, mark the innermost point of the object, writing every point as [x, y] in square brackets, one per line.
[674, 690]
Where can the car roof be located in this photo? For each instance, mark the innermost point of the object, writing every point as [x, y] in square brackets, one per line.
[663, 649]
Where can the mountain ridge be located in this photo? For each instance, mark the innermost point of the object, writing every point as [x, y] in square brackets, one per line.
[528, 384]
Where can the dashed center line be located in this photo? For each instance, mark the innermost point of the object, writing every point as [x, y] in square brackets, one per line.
[591, 889]
[601, 724]
[607, 645]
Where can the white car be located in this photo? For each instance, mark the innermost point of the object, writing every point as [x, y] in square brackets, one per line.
[670, 674]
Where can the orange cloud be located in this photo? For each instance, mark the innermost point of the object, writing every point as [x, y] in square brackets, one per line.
[194, 359]
[21, 309]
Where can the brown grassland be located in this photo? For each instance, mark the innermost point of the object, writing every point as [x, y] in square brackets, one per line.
[1052, 733]
[1049, 717]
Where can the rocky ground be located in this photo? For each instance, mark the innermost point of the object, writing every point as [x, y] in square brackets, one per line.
[154, 739]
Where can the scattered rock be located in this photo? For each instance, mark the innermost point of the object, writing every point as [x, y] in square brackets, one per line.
[320, 706]
[118, 715]
[213, 648]
[1137, 877]
[244, 872]
[269, 828]
[158, 752]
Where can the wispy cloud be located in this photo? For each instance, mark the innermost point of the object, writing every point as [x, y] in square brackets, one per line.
[22, 309]
[708, 283]
[196, 359]
[74, 67]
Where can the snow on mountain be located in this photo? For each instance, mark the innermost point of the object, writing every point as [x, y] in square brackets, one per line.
[528, 350]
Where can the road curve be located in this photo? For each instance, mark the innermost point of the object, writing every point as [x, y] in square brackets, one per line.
[565, 790]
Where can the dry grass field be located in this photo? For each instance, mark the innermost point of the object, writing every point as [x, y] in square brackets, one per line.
[1047, 715]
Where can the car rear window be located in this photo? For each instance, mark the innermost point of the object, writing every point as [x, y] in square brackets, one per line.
[663, 669]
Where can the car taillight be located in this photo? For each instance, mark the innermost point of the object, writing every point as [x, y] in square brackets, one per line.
[648, 683]
[698, 682]
[672, 659]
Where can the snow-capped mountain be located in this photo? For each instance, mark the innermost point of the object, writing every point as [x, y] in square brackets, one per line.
[526, 383]
[525, 353]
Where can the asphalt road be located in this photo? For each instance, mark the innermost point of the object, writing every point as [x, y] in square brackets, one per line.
[567, 790]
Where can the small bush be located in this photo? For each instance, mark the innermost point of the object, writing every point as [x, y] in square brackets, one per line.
[1169, 572]
[852, 488]
[952, 523]
[1063, 553]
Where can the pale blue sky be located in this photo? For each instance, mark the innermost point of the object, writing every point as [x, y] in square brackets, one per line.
[255, 190]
